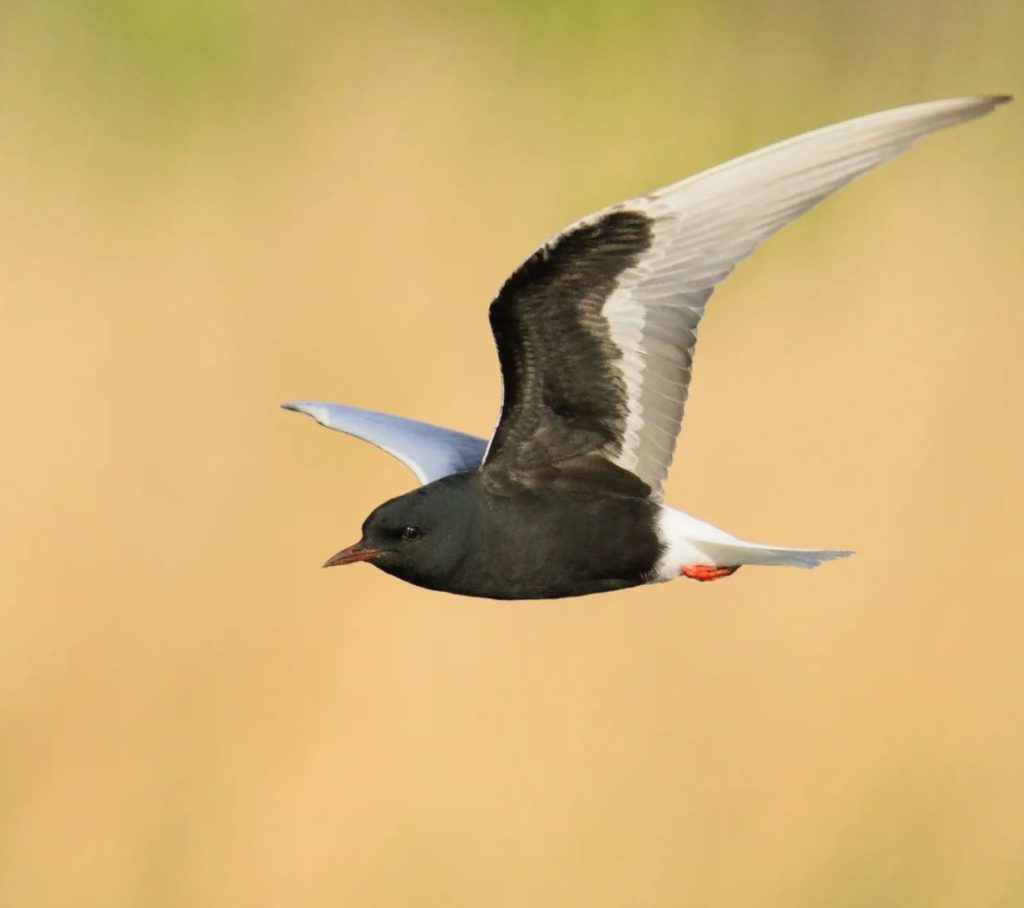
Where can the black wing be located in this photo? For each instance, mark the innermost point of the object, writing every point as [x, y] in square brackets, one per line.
[565, 400]
[596, 331]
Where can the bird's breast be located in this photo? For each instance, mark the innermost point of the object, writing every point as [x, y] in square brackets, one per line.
[545, 547]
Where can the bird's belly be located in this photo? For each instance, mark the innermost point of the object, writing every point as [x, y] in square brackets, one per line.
[518, 585]
[592, 547]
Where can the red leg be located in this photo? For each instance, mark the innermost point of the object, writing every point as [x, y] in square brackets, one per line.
[705, 572]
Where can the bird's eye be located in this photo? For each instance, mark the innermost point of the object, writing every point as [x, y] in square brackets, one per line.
[411, 532]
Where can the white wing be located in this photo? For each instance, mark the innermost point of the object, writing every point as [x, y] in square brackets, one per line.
[704, 226]
[431, 452]
[596, 330]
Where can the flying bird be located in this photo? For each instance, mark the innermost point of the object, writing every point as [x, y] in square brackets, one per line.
[596, 334]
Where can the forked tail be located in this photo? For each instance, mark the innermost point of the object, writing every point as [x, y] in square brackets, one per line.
[689, 542]
[740, 552]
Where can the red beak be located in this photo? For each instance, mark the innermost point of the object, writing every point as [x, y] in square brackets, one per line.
[351, 555]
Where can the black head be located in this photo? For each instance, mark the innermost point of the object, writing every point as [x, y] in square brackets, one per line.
[420, 537]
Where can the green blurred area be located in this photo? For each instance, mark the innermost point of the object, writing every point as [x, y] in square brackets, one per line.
[150, 73]
[211, 207]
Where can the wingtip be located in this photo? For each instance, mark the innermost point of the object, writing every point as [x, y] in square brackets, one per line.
[965, 107]
[305, 407]
[970, 107]
[299, 406]
[984, 104]
[820, 557]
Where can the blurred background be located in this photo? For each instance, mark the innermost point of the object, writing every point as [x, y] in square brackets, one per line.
[212, 207]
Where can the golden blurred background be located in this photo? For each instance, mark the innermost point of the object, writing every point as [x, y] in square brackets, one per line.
[212, 207]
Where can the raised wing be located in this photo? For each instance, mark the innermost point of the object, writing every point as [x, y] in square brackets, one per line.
[596, 330]
[431, 452]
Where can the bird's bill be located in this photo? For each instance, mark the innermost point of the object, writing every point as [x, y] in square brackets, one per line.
[351, 555]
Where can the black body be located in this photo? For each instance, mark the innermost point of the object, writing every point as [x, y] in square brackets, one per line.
[519, 545]
[548, 514]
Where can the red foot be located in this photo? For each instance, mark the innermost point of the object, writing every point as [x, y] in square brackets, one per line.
[703, 572]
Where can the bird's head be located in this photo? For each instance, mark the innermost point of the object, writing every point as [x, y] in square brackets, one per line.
[418, 537]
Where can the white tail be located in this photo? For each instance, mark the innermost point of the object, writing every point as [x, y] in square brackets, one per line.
[688, 542]
[726, 554]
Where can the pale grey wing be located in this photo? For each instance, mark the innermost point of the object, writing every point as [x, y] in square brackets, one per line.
[431, 452]
[701, 228]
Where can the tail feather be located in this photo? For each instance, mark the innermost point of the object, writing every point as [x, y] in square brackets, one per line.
[740, 552]
[690, 542]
